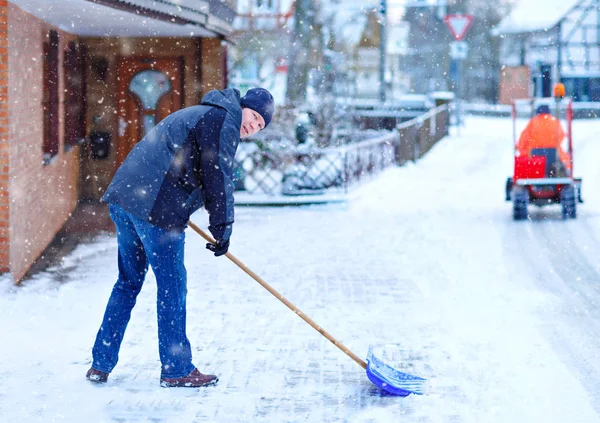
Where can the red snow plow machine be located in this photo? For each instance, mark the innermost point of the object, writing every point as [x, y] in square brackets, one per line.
[543, 156]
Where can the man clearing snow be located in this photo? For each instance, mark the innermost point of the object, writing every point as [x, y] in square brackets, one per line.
[183, 163]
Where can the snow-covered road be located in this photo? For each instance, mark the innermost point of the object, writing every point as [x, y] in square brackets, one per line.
[502, 316]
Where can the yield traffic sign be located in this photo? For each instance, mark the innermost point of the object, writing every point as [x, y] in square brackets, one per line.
[458, 24]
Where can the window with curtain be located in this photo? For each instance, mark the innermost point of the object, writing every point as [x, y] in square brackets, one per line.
[74, 74]
[50, 101]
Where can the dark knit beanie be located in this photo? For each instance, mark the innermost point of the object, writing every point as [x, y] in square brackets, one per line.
[261, 101]
[543, 109]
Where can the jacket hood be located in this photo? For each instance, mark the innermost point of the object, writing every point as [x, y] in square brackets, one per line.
[228, 99]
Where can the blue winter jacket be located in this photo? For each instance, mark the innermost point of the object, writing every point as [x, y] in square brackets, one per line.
[183, 163]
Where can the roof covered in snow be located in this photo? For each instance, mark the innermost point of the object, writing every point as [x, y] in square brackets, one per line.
[534, 15]
[86, 18]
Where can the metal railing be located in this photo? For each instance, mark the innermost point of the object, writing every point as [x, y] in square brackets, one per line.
[418, 135]
[581, 110]
[302, 170]
[311, 170]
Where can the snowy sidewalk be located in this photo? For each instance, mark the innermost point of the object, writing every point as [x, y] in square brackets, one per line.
[417, 259]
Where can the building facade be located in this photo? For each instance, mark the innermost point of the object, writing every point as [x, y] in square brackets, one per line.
[557, 41]
[81, 82]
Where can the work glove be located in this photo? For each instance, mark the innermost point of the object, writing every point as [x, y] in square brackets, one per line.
[219, 248]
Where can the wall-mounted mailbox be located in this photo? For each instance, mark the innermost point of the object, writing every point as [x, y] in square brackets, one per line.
[100, 144]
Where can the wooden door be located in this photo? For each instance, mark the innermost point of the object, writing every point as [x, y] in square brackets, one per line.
[149, 90]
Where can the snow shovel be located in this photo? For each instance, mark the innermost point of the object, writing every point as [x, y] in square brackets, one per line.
[378, 372]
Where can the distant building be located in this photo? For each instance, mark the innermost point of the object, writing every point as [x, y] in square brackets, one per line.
[366, 57]
[367, 53]
[81, 82]
[261, 37]
[345, 57]
[547, 41]
[397, 50]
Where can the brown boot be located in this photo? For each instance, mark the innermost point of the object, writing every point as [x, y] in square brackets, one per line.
[193, 380]
[96, 376]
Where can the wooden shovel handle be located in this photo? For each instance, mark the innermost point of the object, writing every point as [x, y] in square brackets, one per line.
[281, 298]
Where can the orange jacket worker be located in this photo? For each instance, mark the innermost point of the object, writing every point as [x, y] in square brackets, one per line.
[543, 131]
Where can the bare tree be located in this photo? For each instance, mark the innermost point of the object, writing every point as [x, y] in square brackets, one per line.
[300, 52]
[429, 63]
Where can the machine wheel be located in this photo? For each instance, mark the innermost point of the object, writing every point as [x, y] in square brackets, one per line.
[568, 201]
[509, 187]
[578, 186]
[520, 202]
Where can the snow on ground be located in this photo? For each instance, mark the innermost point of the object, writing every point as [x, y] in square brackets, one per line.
[501, 316]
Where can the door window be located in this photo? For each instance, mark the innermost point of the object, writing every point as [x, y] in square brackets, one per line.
[149, 86]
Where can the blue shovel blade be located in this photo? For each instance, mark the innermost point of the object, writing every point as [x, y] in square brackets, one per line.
[392, 380]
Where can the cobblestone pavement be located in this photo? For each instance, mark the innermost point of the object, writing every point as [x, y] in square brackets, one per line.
[272, 366]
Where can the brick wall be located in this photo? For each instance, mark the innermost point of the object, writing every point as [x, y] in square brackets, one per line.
[4, 157]
[41, 196]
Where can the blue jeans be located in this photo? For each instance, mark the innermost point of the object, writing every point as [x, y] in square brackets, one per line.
[142, 244]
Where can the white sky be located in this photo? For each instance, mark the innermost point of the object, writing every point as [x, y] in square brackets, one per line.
[501, 316]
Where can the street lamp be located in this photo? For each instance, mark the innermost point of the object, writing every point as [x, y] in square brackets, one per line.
[382, 49]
